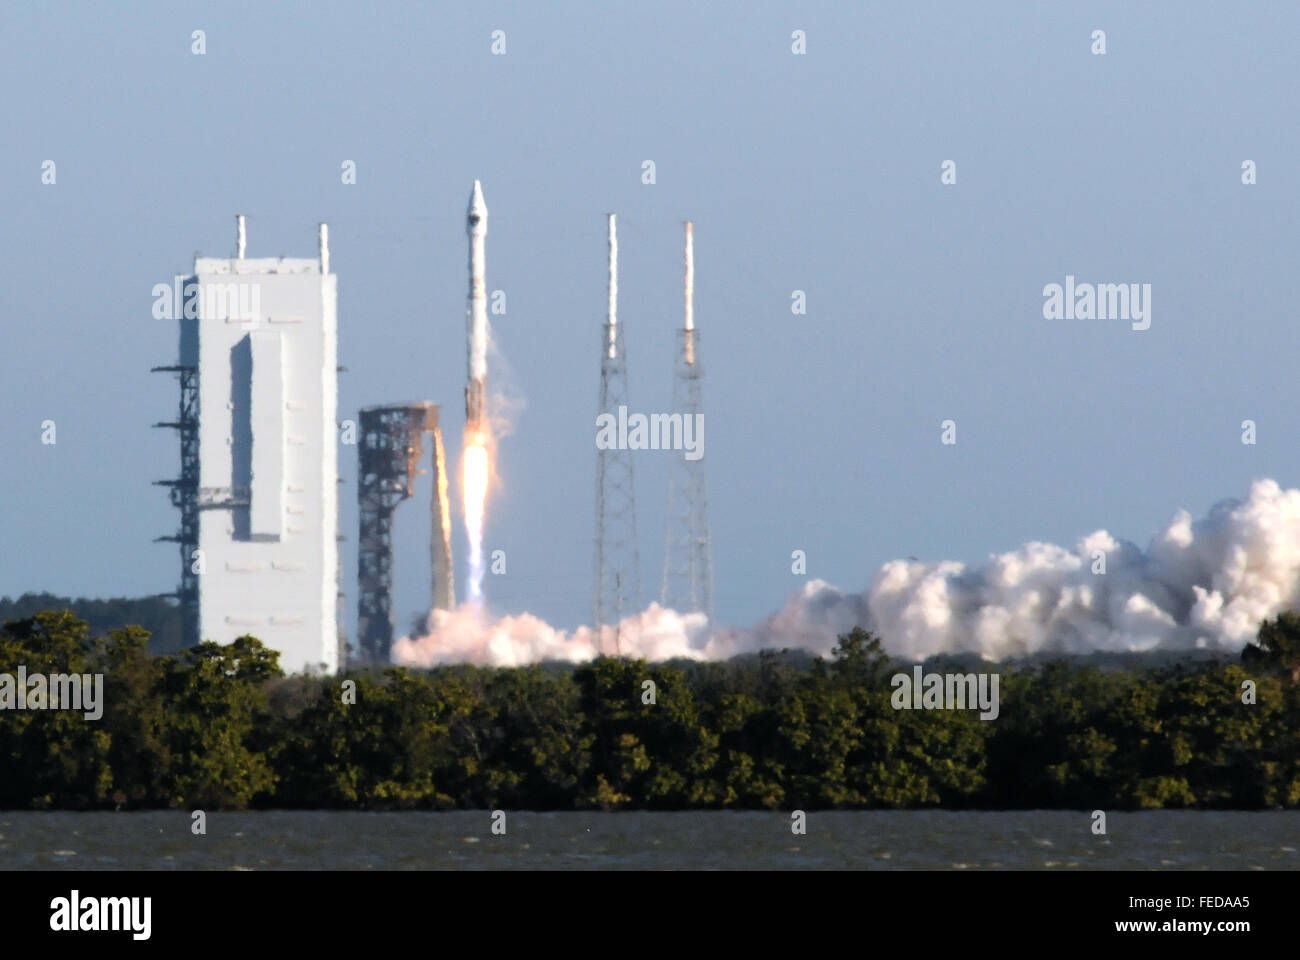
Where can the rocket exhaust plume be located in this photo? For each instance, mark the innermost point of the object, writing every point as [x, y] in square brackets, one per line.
[1200, 584]
[475, 467]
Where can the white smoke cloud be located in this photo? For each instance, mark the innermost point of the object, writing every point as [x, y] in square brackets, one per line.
[1200, 584]
[505, 399]
[468, 634]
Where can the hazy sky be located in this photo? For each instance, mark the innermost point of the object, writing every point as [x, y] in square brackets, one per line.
[818, 172]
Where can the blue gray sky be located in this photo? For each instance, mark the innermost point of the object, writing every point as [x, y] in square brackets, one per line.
[818, 172]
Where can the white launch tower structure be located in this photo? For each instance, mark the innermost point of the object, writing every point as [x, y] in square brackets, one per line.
[260, 546]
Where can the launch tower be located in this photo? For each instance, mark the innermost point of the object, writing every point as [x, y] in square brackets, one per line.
[617, 560]
[258, 490]
[388, 453]
[688, 562]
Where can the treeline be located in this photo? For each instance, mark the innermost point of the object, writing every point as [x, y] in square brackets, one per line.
[222, 727]
[159, 615]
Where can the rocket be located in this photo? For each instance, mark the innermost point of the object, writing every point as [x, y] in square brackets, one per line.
[476, 315]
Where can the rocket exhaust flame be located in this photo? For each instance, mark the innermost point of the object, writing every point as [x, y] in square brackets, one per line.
[474, 476]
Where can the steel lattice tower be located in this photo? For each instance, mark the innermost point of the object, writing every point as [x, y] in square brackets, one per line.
[688, 561]
[184, 493]
[389, 451]
[617, 560]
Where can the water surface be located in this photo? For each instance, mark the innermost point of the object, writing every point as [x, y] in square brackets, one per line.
[850, 840]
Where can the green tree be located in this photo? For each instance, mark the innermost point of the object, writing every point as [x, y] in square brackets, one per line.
[214, 703]
[1277, 648]
[135, 719]
[52, 759]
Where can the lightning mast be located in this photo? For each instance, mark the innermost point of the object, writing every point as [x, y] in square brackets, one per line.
[617, 563]
[688, 561]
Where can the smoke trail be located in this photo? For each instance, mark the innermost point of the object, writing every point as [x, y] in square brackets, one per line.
[1203, 584]
[475, 476]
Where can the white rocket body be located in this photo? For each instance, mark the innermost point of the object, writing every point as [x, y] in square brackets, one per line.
[476, 315]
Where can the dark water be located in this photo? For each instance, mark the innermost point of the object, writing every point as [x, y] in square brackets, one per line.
[1036, 840]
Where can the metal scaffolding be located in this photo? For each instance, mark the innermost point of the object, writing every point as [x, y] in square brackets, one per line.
[688, 562]
[389, 451]
[688, 558]
[184, 493]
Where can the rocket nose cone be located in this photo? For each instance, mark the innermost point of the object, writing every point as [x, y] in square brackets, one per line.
[477, 208]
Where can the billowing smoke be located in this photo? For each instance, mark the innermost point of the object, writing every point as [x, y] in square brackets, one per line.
[1200, 584]
[468, 634]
